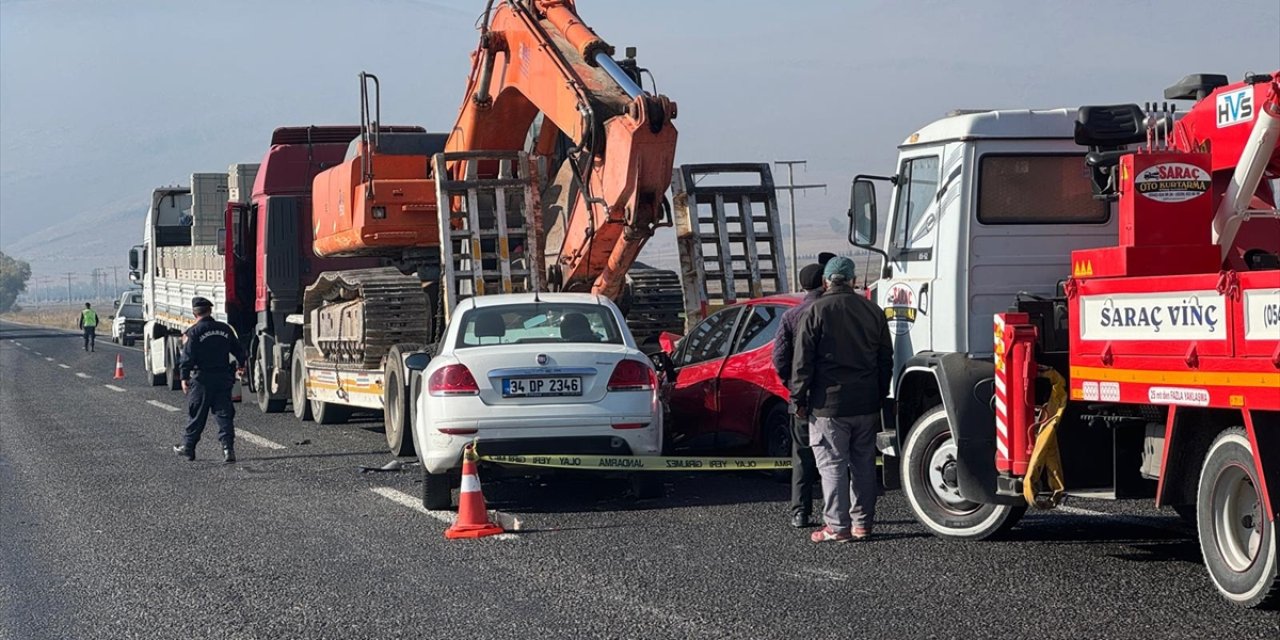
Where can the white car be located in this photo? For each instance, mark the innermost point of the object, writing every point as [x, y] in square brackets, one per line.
[555, 373]
[126, 324]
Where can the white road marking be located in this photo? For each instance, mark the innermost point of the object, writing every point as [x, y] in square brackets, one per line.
[64, 366]
[113, 387]
[405, 500]
[37, 353]
[82, 375]
[255, 439]
[48, 358]
[166, 407]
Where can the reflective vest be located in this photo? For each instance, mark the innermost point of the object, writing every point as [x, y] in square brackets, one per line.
[89, 318]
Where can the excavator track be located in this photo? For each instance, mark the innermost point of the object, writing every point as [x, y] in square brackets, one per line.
[354, 317]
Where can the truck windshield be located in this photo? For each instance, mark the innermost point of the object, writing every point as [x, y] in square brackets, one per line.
[915, 219]
[538, 323]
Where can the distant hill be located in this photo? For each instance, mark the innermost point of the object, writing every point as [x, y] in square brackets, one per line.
[89, 240]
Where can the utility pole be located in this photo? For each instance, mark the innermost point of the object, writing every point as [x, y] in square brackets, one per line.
[69, 275]
[791, 189]
[115, 275]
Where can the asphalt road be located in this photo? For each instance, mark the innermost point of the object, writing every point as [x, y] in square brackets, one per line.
[104, 533]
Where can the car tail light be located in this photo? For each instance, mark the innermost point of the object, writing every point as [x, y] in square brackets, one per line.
[632, 375]
[457, 431]
[452, 380]
[630, 425]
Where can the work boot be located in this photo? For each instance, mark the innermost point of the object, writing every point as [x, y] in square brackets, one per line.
[182, 450]
[800, 520]
[228, 455]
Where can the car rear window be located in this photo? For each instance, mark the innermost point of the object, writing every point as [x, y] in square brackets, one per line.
[131, 311]
[539, 322]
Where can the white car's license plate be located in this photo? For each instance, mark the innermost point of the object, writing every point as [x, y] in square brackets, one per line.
[549, 386]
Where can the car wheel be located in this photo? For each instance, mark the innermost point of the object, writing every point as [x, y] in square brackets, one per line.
[929, 481]
[437, 490]
[1236, 539]
[298, 385]
[775, 428]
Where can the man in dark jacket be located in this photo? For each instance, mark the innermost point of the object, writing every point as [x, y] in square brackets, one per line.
[840, 377]
[804, 472]
[207, 379]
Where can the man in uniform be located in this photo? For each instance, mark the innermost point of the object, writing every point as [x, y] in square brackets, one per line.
[89, 323]
[208, 377]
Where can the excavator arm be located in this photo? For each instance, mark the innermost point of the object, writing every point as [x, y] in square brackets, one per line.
[540, 72]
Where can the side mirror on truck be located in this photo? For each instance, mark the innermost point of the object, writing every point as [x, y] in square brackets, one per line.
[862, 213]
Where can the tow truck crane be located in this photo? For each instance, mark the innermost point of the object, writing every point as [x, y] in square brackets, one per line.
[1153, 370]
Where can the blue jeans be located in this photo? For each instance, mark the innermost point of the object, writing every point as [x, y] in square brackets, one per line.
[90, 333]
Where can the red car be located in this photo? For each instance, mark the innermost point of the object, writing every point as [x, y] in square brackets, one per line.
[722, 391]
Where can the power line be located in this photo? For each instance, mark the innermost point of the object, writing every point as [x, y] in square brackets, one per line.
[791, 188]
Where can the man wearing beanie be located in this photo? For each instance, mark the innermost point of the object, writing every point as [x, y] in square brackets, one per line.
[841, 370]
[804, 472]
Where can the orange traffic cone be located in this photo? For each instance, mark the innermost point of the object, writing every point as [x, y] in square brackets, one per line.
[473, 519]
[119, 368]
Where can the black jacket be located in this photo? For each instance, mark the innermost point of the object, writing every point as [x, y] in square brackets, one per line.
[206, 355]
[843, 356]
[784, 341]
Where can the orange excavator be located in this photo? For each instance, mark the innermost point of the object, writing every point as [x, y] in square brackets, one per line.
[567, 160]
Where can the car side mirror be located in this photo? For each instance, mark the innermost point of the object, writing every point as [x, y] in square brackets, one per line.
[862, 213]
[115, 304]
[667, 341]
[417, 361]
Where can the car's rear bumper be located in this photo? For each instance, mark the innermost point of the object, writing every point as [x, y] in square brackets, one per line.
[444, 450]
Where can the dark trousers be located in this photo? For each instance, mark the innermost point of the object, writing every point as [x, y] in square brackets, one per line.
[203, 399]
[90, 334]
[804, 471]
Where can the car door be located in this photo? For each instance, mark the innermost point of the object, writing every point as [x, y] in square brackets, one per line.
[695, 397]
[748, 378]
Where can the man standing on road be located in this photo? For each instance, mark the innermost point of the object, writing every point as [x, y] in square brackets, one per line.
[804, 472]
[89, 323]
[843, 363]
[207, 379]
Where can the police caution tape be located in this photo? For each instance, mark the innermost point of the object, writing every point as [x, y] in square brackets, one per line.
[642, 463]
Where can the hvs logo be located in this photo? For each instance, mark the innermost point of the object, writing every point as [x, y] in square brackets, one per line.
[1235, 107]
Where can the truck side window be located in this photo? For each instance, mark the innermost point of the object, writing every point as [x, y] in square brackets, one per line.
[914, 217]
[1037, 189]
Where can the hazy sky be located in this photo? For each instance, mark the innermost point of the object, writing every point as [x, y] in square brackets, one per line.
[102, 100]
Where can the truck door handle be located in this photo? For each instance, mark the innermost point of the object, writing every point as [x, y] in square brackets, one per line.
[924, 299]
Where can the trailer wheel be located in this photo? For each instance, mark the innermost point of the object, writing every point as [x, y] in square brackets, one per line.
[436, 490]
[397, 416]
[329, 413]
[1236, 539]
[929, 480]
[298, 385]
[172, 353]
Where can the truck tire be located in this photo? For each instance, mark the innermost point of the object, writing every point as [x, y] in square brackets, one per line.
[437, 490]
[1237, 541]
[928, 479]
[298, 385]
[329, 413]
[157, 379]
[262, 384]
[172, 353]
[397, 410]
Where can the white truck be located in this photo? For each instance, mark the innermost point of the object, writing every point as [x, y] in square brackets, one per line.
[181, 257]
